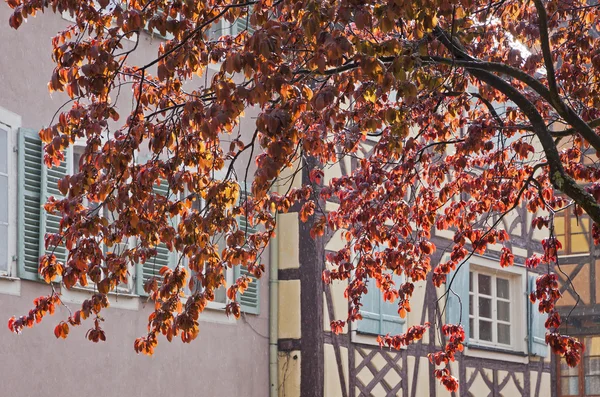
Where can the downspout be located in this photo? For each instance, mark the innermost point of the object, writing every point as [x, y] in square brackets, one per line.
[273, 314]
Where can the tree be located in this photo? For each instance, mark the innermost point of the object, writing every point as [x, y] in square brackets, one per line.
[426, 79]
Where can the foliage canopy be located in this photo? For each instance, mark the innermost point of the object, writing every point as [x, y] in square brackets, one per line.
[425, 80]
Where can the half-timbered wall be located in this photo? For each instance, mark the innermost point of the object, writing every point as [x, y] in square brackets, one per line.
[315, 362]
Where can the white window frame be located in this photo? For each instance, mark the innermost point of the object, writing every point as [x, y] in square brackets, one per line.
[518, 298]
[494, 298]
[11, 122]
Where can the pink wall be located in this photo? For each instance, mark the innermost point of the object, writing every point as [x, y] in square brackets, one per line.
[228, 358]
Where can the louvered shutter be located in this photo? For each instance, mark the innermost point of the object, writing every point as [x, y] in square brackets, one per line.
[164, 257]
[536, 325]
[29, 202]
[457, 310]
[4, 262]
[50, 223]
[250, 299]
[380, 317]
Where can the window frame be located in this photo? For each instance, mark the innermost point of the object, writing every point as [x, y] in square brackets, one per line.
[7, 223]
[519, 311]
[12, 122]
[474, 338]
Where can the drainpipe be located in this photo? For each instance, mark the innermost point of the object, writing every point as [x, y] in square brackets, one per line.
[273, 314]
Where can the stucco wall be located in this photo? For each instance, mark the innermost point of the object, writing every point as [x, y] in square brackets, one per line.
[226, 358]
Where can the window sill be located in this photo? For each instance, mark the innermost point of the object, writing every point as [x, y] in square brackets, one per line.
[10, 285]
[123, 300]
[495, 353]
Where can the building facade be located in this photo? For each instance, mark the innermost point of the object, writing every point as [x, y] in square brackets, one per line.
[506, 354]
[228, 357]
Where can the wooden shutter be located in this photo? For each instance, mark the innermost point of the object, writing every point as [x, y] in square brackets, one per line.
[29, 202]
[50, 223]
[4, 146]
[536, 324]
[164, 257]
[457, 310]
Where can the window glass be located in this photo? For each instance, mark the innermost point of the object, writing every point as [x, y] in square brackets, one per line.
[504, 334]
[485, 330]
[3, 147]
[485, 284]
[569, 386]
[502, 288]
[490, 308]
[503, 311]
[3, 199]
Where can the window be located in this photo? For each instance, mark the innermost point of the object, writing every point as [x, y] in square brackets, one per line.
[4, 153]
[111, 216]
[490, 308]
[493, 307]
[574, 233]
[583, 380]
[221, 293]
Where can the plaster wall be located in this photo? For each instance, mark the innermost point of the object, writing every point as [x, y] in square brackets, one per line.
[228, 356]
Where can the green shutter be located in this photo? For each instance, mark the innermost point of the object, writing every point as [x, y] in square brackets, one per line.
[250, 299]
[536, 324]
[380, 317]
[50, 223]
[457, 310]
[29, 201]
[164, 257]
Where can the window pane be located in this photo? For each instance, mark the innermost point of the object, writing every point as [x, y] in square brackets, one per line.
[503, 311]
[569, 386]
[470, 304]
[592, 346]
[471, 281]
[3, 201]
[592, 385]
[504, 334]
[471, 327]
[565, 370]
[485, 330]
[221, 295]
[485, 284]
[4, 247]
[3, 147]
[592, 365]
[502, 288]
[485, 307]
